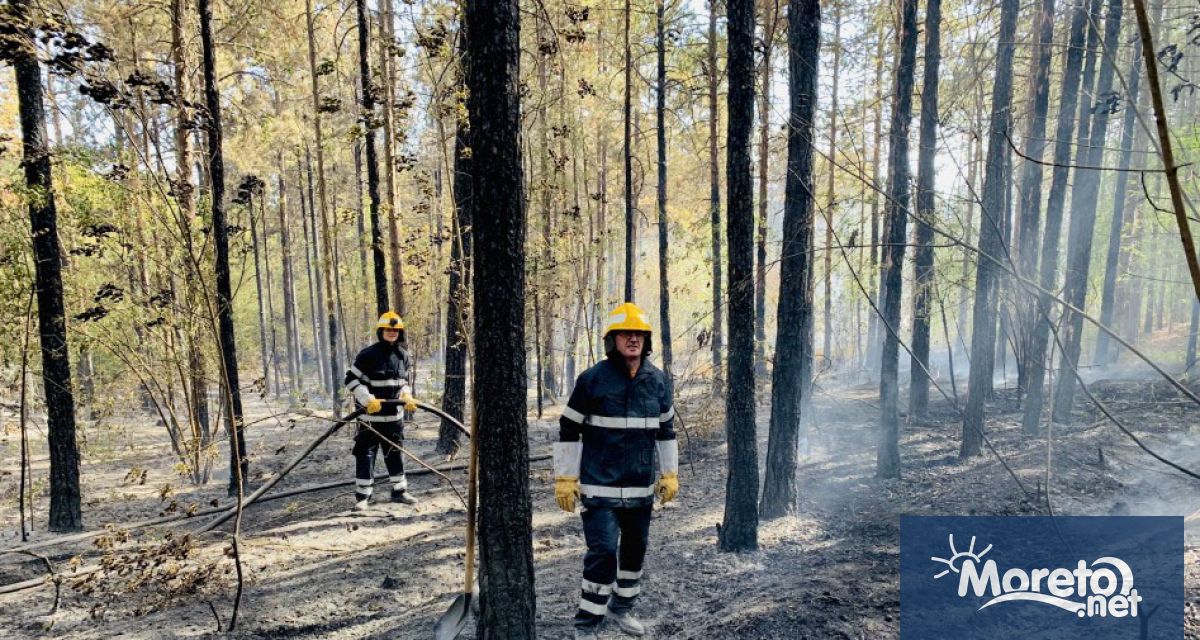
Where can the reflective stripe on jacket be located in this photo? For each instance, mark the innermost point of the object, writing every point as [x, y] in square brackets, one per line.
[381, 370]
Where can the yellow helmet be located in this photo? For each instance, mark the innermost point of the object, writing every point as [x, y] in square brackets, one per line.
[627, 317]
[390, 320]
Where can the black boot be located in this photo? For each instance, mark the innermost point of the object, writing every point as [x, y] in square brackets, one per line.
[401, 496]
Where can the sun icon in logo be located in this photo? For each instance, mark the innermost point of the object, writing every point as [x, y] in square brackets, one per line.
[958, 557]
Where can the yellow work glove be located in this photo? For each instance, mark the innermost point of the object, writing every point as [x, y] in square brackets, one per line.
[667, 487]
[373, 405]
[566, 492]
[410, 404]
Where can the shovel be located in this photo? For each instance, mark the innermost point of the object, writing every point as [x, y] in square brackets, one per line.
[455, 619]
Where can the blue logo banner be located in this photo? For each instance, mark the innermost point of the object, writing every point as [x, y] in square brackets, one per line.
[1003, 578]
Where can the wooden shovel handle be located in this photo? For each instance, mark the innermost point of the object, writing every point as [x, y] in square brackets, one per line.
[472, 498]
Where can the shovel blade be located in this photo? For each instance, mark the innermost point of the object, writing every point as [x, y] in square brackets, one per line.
[455, 619]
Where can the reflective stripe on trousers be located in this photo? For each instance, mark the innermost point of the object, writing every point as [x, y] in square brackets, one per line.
[612, 568]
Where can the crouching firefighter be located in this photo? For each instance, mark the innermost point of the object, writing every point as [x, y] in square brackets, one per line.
[379, 374]
[619, 415]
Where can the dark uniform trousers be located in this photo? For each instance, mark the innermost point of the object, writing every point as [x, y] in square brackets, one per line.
[610, 431]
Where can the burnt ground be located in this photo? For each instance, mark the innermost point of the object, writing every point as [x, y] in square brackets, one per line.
[317, 570]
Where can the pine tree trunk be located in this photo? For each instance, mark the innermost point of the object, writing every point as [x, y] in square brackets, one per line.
[289, 288]
[780, 493]
[1084, 194]
[238, 464]
[739, 530]
[887, 463]
[918, 398]
[458, 298]
[1117, 228]
[182, 188]
[369, 90]
[991, 236]
[664, 261]
[331, 374]
[65, 511]
[874, 285]
[1193, 329]
[831, 197]
[629, 226]
[507, 610]
[1035, 357]
[260, 295]
[770, 20]
[1030, 188]
[714, 201]
[386, 36]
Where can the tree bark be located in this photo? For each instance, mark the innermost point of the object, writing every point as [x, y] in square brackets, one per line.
[507, 608]
[780, 493]
[831, 197]
[239, 466]
[714, 200]
[1035, 357]
[1084, 194]
[1165, 147]
[1029, 198]
[770, 21]
[739, 530]
[629, 227]
[918, 398]
[664, 287]
[458, 300]
[386, 37]
[1132, 103]
[65, 511]
[368, 121]
[260, 297]
[991, 235]
[887, 462]
[332, 375]
[289, 286]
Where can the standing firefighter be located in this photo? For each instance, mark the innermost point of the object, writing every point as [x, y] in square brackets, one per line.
[380, 373]
[619, 414]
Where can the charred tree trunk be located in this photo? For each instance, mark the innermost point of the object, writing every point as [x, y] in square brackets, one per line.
[505, 530]
[1084, 194]
[764, 157]
[664, 288]
[918, 398]
[1035, 357]
[458, 300]
[991, 235]
[714, 200]
[831, 197]
[887, 463]
[369, 126]
[780, 492]
[1132, 103]
[238, 464]
[183, 191]
[1029, 198]
[739, 530]
[65, 511]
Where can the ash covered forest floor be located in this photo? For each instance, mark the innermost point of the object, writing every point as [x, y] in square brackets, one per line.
[315, 569]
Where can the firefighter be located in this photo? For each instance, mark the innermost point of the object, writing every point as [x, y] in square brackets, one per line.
[619, 415]
[379, 373]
